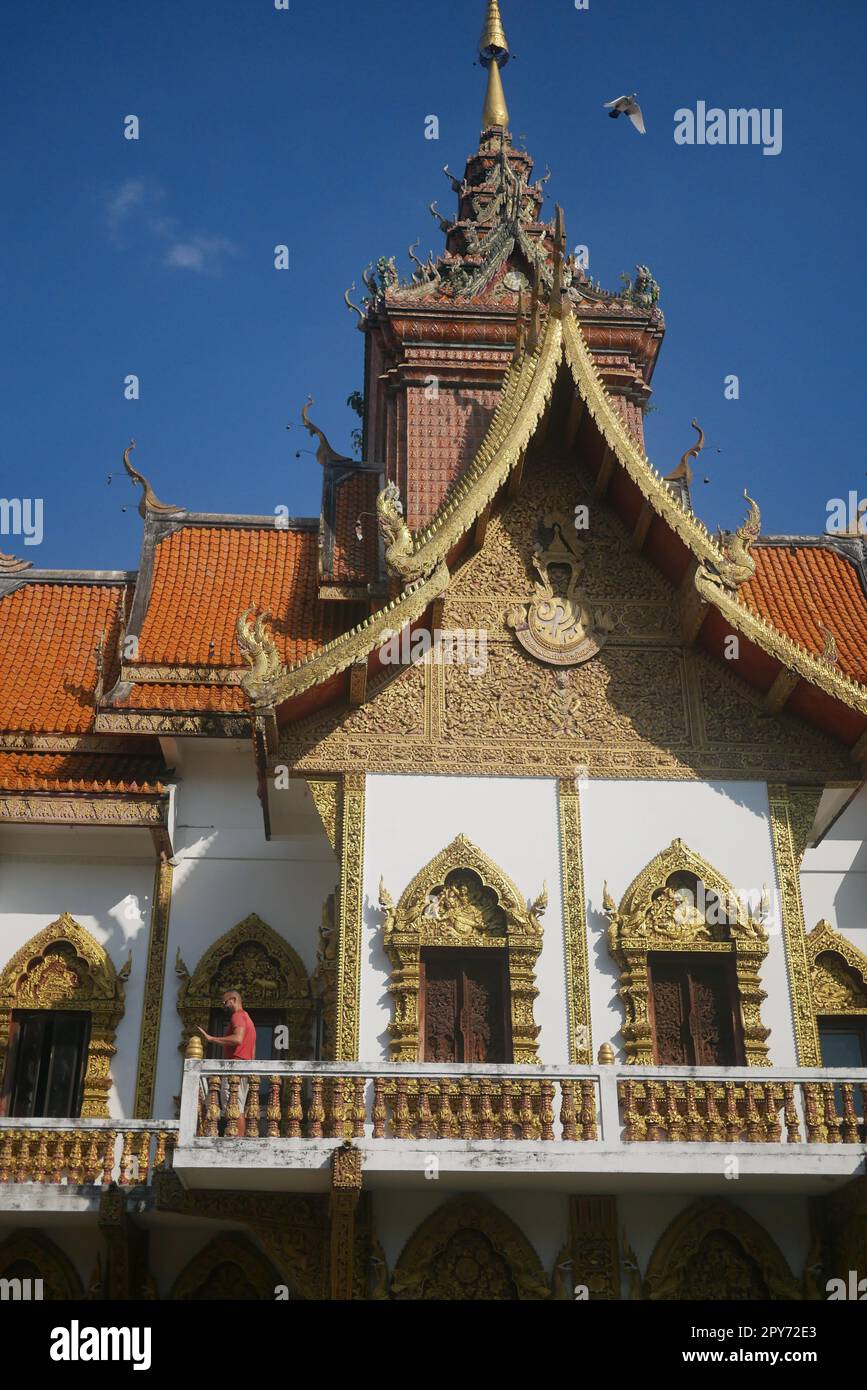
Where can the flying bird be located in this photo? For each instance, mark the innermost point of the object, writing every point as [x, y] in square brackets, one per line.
[627, 106]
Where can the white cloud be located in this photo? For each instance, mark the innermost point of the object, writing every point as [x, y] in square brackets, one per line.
[199, 253]
[130, 195]
[196, 251]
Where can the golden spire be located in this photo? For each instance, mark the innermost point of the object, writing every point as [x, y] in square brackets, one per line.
[493, 55]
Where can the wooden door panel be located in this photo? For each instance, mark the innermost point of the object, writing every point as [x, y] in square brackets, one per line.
[692, 1012]
[462, 1015]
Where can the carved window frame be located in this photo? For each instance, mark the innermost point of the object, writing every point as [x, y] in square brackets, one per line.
[639, 927]
[469, 1214]
[202, 991]
[683, 1238]
[408, 928]
[824, 940]
[99, 991]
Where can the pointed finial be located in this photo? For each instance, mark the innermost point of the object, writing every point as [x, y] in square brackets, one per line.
[556, 300]
[149, 501]
[493, 55]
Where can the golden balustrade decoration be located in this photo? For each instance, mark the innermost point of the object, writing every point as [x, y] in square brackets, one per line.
[745, 1112]
[530, 1108]
[411, 1107]
[85, 1157]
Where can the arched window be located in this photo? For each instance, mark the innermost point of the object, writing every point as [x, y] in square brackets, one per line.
[271, 979]
[60, 1003]
[689, 953]
[463, 947]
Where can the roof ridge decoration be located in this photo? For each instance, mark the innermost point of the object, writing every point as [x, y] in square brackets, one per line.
[13, 564]
[420, 559]
[149, 501]
[324, 454]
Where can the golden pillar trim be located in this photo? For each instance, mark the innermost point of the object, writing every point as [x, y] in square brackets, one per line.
[786, 827]
[592, 1256]
[345, 1192]
[152, 1004]
[350, 910]
[575, 924]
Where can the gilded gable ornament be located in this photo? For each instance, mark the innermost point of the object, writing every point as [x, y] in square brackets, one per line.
[558, 626]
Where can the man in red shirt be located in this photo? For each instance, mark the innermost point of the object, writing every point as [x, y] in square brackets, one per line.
[240, 1036]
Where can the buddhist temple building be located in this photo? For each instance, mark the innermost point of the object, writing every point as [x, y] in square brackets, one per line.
[526, 816]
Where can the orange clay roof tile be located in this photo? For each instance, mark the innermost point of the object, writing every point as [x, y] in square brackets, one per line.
[804, 589]
[80, 772]
[49, 635]
[150, 695]
[206, 576]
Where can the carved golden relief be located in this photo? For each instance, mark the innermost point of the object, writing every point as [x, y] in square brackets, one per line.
[48, 1262]
[787, 814]
[715, 1251]
[350, 908]
[461, 898]
[655, 915]
[267, 972]
[64, 967]
[152, 1008]
[592, 1256]
[838, 972]
[230, 1267]
[467, 1250]
[641, 708]
[575, 924]
[557, 626]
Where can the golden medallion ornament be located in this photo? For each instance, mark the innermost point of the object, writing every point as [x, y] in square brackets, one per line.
[558, 626]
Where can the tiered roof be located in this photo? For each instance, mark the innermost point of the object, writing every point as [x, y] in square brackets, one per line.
[92, 667]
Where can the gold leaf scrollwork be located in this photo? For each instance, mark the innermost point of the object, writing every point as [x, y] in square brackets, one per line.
[558, 626]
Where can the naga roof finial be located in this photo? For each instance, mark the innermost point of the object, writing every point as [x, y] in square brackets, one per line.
[149, 501]
[324, 454]
[684, 468]
[493, 55]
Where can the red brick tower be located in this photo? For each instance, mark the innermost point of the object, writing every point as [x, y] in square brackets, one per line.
[438, 345]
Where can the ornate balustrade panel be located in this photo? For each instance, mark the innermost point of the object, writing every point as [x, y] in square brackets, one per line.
[657, 1108]
[523, 1104]
[84, 1153]
[404, 1106]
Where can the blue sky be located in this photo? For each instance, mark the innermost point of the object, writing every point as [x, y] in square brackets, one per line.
[306, 127]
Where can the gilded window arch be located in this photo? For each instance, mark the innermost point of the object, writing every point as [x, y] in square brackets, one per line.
[716, 1250]
[229, 1267]
[652, 916]
[838, 973]
[64, 967]
[55, 1269]
[469, 1249]
[263, 967]
[461, 898]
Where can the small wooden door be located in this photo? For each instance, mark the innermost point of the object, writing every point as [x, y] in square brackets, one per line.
[463, 1014]
[693, 1015]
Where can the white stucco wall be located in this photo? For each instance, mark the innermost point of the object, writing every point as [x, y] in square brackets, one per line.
[514, 820]
[225, 869]
[624, 824]
[834, 876]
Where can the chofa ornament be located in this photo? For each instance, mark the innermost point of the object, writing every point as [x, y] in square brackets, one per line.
[558, 626]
